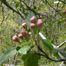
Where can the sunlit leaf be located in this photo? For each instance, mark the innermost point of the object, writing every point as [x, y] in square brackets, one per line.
[46, 42]
[24, 50]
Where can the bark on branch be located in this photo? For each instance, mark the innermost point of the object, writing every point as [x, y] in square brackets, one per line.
[10, 7]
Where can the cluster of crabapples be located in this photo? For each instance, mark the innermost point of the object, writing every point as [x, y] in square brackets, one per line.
[24, 33]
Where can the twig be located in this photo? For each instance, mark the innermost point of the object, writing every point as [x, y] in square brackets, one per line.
[36, 13]
[61, 44]
[2, 14]
[45, 55]
[50, 5]
[63, 2]
[7, 4]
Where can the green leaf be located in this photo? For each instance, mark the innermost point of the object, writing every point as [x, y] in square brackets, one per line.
[9, 53]
[24, 49]
[30, 59]
[46, 42]
[48, 45]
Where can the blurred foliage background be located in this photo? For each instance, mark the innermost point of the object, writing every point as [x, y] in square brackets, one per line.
[12, 12]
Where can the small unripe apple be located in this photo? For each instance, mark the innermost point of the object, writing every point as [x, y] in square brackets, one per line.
[33, 19]
[24, 32]
[39, 23]
[20, 35]
[64, 11]
[15, 38]
[32, 25]
[24, 25]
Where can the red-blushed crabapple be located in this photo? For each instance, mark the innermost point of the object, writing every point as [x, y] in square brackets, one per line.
[39, 23]
[24, 32]
[33, 19]
[20, 36]
[15, 38]
[64, 11]
[24, 25]
[32, 25]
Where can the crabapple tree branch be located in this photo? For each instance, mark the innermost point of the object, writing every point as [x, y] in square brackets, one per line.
[14, 10]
